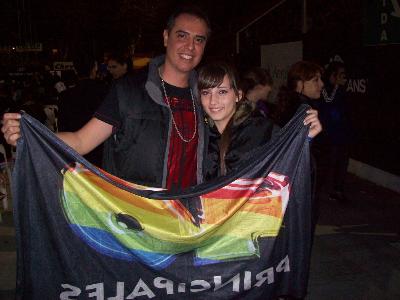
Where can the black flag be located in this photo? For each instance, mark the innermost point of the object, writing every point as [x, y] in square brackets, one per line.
[85, 234]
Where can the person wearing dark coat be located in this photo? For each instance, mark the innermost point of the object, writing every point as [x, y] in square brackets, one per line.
[304, 86]
[338, 134]
[248, 130]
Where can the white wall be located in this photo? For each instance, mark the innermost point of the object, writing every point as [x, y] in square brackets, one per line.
[277, 58]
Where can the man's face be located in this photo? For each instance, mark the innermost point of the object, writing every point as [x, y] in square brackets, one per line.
[339, 77]
[116, 69]
[185, 43]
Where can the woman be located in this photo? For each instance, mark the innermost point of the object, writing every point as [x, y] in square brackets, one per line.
[235, 128]
[304, 86]
[257, 85]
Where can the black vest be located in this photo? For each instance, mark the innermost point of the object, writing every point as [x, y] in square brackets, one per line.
[138, 149]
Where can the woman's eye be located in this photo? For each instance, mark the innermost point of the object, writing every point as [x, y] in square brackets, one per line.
[204, 93]
[223, 92]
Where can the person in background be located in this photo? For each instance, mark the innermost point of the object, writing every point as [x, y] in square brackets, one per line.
[336, 138]
[234, 127]
[304, 86]
[257, 85]
[119, 64]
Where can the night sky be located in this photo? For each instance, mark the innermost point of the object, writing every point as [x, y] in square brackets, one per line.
[107, 24]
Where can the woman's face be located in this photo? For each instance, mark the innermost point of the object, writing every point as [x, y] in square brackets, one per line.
[264, 91]
[219, 103]
[311, 88]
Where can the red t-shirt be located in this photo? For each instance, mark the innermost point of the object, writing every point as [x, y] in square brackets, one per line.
[182, 156]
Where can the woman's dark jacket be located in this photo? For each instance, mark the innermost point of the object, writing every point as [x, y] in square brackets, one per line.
[286, 112]
[255, 130]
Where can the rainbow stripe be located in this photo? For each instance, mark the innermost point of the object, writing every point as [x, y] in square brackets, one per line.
[130, 227]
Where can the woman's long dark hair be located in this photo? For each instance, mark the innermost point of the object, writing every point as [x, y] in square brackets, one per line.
[211, 76]
[253, 77]
[288, 100]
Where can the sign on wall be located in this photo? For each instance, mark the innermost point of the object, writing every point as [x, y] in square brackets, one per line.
[63, 65]
[278, 58]
[381, 22]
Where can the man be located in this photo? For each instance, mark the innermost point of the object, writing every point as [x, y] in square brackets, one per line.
[155, 123]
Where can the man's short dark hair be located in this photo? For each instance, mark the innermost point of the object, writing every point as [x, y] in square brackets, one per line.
[122, 56]
[189, 9]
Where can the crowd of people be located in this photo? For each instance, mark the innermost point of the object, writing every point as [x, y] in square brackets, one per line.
[63, 100]
[170, 103]
[173, 127]
[96, 101]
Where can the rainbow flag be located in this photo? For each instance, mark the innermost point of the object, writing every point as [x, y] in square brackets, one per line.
[83, 233]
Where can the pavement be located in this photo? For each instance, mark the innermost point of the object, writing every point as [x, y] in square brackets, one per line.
[356, 250]
[7, 257]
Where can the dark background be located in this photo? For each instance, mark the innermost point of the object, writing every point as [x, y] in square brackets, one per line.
[77, 28]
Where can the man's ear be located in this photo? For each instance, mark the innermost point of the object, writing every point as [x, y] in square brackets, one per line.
[165, 36]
